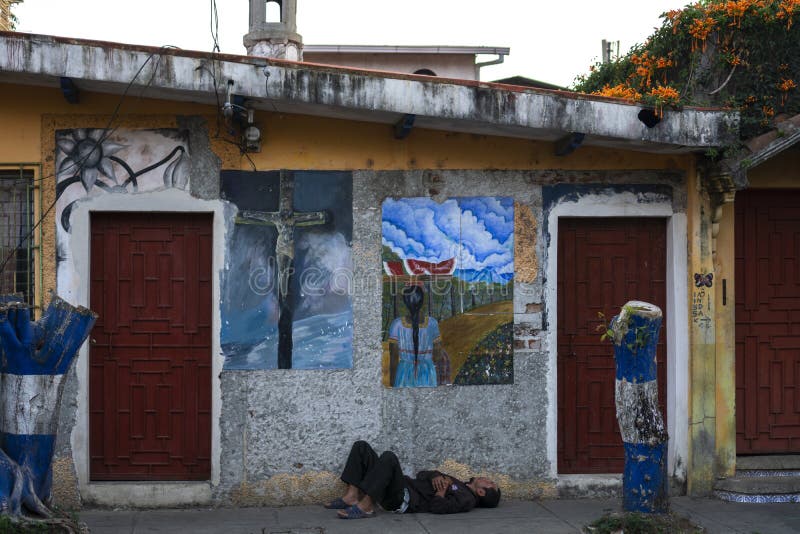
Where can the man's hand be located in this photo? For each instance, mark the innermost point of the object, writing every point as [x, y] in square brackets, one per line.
[440, 484]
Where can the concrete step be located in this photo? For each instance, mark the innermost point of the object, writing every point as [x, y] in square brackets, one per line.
[778, 462]
[762, 489]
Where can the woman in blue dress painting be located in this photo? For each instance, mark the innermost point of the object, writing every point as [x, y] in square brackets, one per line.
[414, 344]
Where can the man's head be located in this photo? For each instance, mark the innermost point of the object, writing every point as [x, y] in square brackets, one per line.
[485, 490]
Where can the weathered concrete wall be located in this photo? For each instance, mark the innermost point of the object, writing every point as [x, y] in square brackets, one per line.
[288, 431]
[285, 433]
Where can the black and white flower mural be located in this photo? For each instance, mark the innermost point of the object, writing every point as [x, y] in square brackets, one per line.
[96, 161]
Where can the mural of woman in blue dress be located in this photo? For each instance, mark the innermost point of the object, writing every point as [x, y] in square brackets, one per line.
[414, 344]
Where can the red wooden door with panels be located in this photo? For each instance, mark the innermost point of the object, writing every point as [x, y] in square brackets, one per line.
[602, 264]
[150, 351]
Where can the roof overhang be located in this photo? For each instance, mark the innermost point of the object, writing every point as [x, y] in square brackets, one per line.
[730, 174]
[353, 94]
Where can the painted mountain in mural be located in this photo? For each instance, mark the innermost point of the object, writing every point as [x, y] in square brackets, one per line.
[486, 276]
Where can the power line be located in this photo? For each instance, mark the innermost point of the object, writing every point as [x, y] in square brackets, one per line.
[108, 131]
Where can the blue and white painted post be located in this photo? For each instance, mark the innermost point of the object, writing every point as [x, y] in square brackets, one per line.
[635, 334]
[35, 358]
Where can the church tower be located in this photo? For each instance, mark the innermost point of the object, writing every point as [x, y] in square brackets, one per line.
[273, 30]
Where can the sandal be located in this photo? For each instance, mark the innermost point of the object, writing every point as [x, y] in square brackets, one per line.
[354, 512]
[336, 504]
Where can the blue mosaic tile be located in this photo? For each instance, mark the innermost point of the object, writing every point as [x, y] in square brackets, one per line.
[766, 473]
[757, 499]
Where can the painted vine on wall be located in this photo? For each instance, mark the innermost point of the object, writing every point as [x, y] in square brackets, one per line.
[93, 161]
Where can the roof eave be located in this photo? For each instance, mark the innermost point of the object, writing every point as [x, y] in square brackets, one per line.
[292, 87]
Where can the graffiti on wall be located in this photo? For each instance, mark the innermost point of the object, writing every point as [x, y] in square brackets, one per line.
[701, 300]
[96, 161]
[447, 291]
[286, 297]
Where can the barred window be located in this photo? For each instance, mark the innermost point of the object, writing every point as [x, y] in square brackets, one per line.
[17, 243]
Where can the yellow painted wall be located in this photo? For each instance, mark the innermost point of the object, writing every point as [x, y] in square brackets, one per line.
[782, 171]
[702, 345]
[725, 306]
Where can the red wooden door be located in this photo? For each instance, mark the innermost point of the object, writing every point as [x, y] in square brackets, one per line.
[602, 264]
[767, 321]
[150, 356]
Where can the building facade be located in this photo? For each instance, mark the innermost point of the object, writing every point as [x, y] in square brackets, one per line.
[252, 233]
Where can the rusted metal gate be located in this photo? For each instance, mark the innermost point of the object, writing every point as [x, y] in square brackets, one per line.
[602, 264]
[768, 321]
[150, 356]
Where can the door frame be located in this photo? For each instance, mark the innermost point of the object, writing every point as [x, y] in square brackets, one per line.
[73, 283]
[613, 203]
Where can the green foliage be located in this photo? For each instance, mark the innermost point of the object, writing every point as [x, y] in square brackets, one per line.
[10, 526]
[491, 361]
[12, 19]
[633, 523]
[387, 254]
[737, 54]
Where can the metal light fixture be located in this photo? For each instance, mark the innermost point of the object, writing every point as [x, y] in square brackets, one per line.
[251, 136]
[239, 114]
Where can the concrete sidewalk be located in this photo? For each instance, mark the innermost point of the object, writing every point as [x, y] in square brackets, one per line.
[547, 516]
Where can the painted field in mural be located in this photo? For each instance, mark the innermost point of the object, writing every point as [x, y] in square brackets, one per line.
[447, 291]
[286, 299]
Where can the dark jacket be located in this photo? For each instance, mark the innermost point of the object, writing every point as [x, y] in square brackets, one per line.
[423, 498]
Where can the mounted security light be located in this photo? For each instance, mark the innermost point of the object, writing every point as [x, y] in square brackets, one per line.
[251, 137]
[241, 117]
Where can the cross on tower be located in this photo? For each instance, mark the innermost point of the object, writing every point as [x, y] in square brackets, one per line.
[284, 220]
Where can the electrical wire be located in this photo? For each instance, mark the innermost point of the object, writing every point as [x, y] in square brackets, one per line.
[108, 131]
[214, 26]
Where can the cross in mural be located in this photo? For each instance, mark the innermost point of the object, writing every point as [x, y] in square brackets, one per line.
[284, 220]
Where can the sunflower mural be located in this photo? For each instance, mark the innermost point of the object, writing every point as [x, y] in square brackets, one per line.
[97, 161]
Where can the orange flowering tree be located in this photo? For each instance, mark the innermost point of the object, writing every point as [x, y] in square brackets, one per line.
[740, 54]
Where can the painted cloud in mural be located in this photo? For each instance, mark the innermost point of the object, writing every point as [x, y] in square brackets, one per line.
[478, 231]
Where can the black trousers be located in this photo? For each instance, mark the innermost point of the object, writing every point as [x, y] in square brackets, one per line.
[380, 477]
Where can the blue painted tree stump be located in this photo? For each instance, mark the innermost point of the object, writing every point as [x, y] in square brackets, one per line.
[35, 358]
[635, 334]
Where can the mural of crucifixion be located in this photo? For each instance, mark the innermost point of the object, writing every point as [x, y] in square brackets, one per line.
[285, 220]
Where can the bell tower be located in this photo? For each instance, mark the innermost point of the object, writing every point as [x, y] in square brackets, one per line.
[273, 30]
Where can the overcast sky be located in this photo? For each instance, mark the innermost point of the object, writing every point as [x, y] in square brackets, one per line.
[552, 41]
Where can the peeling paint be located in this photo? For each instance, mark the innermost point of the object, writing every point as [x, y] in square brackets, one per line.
[526, 263]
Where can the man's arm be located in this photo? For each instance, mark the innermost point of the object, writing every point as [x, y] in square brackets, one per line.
[453, 501]
[428, 475]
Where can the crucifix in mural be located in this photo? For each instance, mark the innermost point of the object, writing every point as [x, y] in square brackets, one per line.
[286, 288]
[284, 220]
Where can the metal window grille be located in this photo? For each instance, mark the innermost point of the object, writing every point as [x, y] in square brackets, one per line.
[18, 244]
